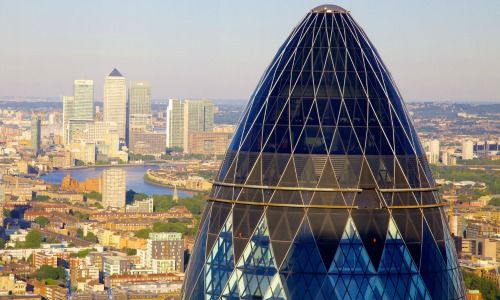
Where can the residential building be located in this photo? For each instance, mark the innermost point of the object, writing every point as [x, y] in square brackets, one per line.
[113, 182]
[208, 143]
[116, 265]
[165, 252]
[10, 285]
[147, 143]
[140, 206]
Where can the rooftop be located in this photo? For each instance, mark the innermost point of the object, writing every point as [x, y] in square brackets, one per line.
[329, 8]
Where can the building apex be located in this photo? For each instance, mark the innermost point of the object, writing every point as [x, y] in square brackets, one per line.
[115, 73]
[329, 8]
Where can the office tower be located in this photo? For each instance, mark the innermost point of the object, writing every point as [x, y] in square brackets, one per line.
[83, 93]
[113, 188]
[175, 124]
[434, 151]
[36, 133]
[467, 150]
[185, 117]
[115, 101]
[78, 109]
[165, 252]
[140, 118]
[325, 192]
[198, 117]
[68, 104]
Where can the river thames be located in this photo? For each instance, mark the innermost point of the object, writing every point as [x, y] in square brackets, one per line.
[135, 179]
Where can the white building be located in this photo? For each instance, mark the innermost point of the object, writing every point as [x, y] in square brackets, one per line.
[115, 101]
[113, 188]
[467, 149]
[434, 151]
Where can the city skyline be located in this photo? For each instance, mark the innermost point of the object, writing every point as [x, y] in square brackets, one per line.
[428, 44]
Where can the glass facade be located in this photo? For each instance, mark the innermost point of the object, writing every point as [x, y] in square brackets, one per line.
[325, 192]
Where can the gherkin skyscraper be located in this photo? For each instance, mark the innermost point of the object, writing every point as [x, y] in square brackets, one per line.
[325, 192]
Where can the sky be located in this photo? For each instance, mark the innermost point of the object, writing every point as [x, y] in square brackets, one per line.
[446, 50]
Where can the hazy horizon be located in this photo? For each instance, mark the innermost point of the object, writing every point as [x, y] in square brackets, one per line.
[441, 51]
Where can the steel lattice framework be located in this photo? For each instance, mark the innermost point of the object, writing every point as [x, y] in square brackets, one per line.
[325, 192]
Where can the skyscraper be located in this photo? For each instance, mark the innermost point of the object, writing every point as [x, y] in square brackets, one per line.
[325, 192]
[140, 118]
[113, 188]
[83, 93]
[185, 117]
[115, 101]
[68, 107]
[36, 133]
[78, 110]
[175, 124]
[198, 117]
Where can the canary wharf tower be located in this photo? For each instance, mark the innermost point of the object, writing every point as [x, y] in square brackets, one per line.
[325, 192]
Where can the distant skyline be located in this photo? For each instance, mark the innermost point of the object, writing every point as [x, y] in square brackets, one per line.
[439, 51]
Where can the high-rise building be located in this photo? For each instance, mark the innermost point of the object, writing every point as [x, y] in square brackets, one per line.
[83, 93]
[467, 150]
[198, 117]
[68, 104]
[115, 101]
[140, 118]
[325, 192]
[36, 133]
[165, 252]
[433, 151]
[185, 117]
[78, 109]
[175, 124]
[113, 188]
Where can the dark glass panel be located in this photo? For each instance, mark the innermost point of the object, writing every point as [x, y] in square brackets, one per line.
[327, 227]
[372, 228]
[409, 223]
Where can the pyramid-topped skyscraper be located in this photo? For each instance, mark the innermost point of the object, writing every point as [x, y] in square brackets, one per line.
[325, 192]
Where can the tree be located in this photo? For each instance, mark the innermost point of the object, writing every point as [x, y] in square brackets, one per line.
[131, 252]
[91, 237]
[2, 243]
[41, 198]
[42, 221]
[34, 239]
[49, 272]
[488, 288]
[143, 233]
[494, 202]
[82, 253]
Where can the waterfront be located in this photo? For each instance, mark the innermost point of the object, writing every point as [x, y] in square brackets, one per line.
[135, 179]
